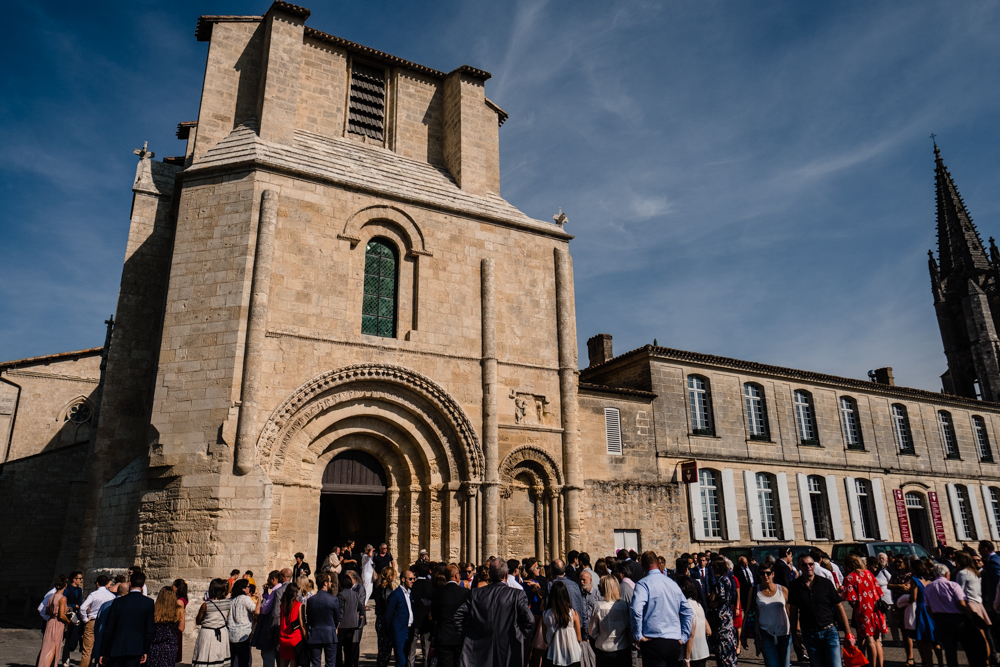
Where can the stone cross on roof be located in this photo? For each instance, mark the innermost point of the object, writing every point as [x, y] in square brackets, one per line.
[561, 218]
[143, 153]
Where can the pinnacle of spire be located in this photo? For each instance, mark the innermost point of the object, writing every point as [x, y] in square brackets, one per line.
[959, 247]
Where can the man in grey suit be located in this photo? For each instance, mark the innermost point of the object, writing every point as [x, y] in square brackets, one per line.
[322, 618]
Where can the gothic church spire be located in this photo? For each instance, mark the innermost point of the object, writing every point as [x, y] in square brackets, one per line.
[960, 250]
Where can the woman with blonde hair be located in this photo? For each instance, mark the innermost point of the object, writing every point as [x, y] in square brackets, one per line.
[387, 583]
[168, 621]
[609, 624]
[862, 591]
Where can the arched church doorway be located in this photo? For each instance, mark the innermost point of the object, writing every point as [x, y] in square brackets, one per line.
[352, 503]
[916, 512]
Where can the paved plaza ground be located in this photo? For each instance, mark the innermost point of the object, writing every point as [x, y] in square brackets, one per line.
[19, 648]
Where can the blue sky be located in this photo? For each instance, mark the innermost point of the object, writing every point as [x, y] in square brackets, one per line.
[747, 179]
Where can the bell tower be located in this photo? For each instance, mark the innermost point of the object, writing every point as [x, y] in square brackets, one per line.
[966, 287]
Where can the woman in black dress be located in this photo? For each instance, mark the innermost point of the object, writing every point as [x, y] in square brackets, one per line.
[168, 619]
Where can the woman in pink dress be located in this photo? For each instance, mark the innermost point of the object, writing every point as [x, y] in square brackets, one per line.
[55, 627]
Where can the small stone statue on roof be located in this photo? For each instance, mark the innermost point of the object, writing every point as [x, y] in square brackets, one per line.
[560, 218]
[143, 153]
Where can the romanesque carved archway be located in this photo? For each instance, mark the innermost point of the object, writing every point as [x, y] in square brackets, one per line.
[419, 433]
[380, 213]
[532, 471]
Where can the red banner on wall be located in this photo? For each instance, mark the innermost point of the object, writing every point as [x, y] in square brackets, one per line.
[904, 520]
[936, 518]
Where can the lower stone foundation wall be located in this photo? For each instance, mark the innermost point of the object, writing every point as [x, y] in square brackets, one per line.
[38, 499]
[656, 510]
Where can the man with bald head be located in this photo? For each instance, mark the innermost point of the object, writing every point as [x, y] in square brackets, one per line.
[497, 623]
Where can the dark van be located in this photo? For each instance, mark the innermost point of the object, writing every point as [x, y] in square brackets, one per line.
[908, 549]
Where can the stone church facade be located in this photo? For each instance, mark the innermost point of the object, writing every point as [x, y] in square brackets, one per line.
[330, 324]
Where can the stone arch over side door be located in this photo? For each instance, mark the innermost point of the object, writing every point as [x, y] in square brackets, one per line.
[416, 430]
[532, 470]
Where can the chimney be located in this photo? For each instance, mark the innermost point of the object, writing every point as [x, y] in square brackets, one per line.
[882, 376]
[599, 349]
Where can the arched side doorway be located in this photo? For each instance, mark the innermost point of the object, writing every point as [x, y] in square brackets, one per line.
[352, 503]
[413, 429]
[531, 507]
[919, 518]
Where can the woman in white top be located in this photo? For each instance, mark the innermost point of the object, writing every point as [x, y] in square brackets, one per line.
[562, 630]
[769, 611]
[967, 577]
[610, 624]
[240, 623]
[696, 650]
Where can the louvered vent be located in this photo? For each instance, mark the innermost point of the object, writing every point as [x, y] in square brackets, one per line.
[366, 112]
[613, 426]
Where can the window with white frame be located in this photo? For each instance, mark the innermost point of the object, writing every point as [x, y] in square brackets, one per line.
[805, 418]
[948, 434]
[982, 439]
[613, 430]
[914, 501]
[850, 422]
[711, 509]
[863, 491]
[820, 506]
[768, 504]
[994, 500]
[627, 539]
[756, 411]
[700, 401]
[965, 511]
[901, 429]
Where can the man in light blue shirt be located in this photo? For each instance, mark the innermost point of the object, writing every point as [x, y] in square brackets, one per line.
[661, 616]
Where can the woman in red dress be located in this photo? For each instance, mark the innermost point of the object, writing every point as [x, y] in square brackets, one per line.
[862, 591]
[290, 631]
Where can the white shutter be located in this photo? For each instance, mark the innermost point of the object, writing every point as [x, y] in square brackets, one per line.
[956, 513]
[808, 520]
[785, 502]
[852, 507]
[753, 508]
[990, 518]
[729, 505]
[833, 498]
[613, 430]
[974, 508]
[697, 518]
[880, 518]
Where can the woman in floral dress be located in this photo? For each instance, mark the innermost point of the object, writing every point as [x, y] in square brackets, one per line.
[862, 591]
[720, 615]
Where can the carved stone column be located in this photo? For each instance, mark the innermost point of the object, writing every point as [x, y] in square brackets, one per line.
[245, 454]
[566, 321]
[539, 522]
[415, 521]
[392, 518]
[434, 525]
[471, 522]
[490, 432]
[553, 497]
[453, 547]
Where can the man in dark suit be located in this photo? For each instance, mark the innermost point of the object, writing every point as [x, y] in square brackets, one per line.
[128, 630]
[496, 622]
[747, 576]
[399, 619]
[991, 578]
[703, 573]
[322, 618]
[422, 592]
[447, 632]
[783, 573]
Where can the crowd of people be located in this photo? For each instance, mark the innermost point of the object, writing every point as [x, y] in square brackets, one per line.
[612, 612]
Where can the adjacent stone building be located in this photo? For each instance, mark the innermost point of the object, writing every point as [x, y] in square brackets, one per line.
[331, 325]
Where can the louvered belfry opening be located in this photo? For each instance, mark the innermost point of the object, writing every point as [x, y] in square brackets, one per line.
[366, 112]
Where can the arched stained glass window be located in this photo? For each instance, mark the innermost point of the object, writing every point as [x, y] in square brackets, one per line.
[378, 311]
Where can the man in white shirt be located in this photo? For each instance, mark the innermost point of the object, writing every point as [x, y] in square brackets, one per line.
[513, 566]
[45, 605]
[89, 610]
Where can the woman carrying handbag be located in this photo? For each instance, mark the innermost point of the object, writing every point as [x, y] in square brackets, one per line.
[211, 648]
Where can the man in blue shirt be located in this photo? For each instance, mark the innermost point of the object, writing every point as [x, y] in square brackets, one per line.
[661, 616]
